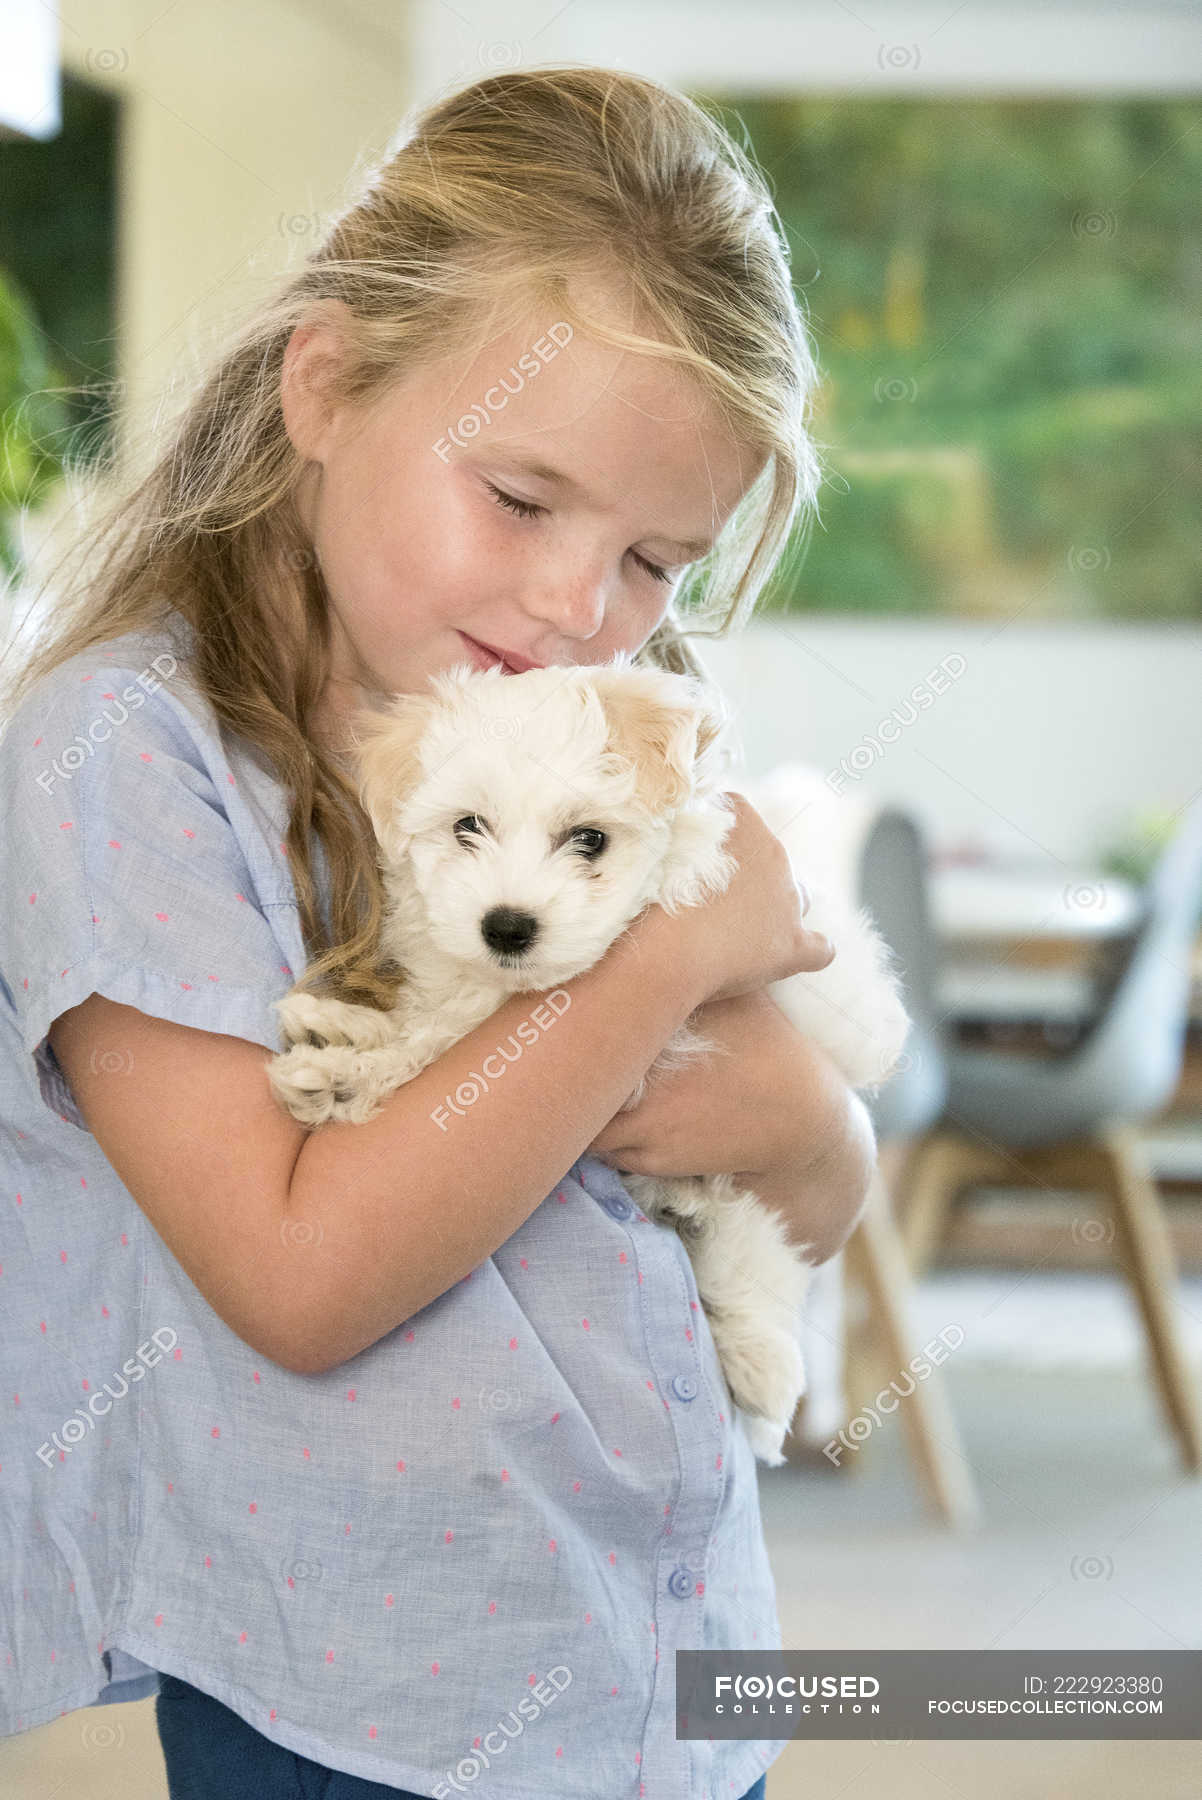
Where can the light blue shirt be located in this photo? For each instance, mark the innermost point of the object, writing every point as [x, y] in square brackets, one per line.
[462, 1562]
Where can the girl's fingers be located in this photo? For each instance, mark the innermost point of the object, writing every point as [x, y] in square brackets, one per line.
[823, 949]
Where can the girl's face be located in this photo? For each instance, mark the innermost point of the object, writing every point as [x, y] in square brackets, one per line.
[544, 500]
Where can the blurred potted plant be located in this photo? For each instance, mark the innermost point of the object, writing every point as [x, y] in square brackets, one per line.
[33, 418]
[1134, 854]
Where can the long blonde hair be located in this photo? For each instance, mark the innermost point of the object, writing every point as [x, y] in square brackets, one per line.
[500, 192]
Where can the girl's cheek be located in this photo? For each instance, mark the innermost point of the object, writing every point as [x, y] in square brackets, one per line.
[649, 616]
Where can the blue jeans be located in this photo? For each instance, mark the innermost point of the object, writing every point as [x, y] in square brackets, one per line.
[213, 1754]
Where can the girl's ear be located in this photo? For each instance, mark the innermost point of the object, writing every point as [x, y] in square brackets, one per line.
[312, 357]
[667, 726]
[386, 749]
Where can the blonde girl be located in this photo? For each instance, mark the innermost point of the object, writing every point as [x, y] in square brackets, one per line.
[398, 1457]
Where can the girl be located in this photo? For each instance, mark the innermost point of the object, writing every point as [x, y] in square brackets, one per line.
[398, 1456]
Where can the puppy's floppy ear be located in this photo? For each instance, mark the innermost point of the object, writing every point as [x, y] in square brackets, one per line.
[668, 726]
[712, 761]
[386, 750]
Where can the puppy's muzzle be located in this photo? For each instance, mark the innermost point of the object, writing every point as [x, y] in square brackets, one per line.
[507, 931]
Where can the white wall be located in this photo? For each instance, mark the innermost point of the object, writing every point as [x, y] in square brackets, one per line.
[1043, 741]
[244, 129]
[788, 46]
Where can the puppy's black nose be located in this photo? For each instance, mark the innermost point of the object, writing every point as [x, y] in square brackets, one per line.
[508, 931]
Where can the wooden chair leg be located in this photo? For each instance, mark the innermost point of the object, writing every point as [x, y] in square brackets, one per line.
[897, 1158]
[941, 1165]
[1143, 1242]
[875, 1254]
[866, 1358]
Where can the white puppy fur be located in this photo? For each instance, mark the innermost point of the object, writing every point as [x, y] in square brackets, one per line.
[524, 821]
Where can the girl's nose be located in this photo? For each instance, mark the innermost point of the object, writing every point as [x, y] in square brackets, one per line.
[573, 605]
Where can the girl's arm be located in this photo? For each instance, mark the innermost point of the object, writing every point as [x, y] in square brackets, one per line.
[312, 1246]
[770, 1108]
[822, 1190]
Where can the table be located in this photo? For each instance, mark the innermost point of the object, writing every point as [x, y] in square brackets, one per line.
[1016, 939]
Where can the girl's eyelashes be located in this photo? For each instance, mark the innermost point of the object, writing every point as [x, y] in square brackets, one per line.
[526, 509]
[652, 569]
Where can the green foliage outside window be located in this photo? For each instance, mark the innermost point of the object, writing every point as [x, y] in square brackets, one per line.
[57, 323]
[1006, 298]
[32, 417]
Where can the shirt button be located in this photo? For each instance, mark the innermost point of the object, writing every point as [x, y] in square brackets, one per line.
[684, 1387]
[616, 1206]
[681, 1583]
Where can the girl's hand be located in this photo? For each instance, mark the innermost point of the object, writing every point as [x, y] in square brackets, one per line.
[774, 1112]
[752, 934]
[745, 1110]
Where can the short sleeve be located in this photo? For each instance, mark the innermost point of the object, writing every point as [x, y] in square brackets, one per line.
[120, 870]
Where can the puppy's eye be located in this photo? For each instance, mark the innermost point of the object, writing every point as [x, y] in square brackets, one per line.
[588, 840]
[470, 825]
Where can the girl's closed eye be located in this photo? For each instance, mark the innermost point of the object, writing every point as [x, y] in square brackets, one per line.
[526, 509]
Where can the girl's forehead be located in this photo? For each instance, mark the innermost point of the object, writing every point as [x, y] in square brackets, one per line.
[625, 427]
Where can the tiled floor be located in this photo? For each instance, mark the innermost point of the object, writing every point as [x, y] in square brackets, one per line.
[1077, 1473]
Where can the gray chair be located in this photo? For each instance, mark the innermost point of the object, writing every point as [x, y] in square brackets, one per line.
[893, 887]
[1071, 1120]
[1127, 1063]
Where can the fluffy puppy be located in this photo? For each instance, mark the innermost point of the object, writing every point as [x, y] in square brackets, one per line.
[523, 822]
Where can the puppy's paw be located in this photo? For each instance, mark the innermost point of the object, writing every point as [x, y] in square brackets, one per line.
[315, 1020]
[767, 1439]
[765, 1374]
[319, 1084]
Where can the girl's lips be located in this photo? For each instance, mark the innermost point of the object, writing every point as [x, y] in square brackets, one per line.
[487, 659]
[476, 652]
